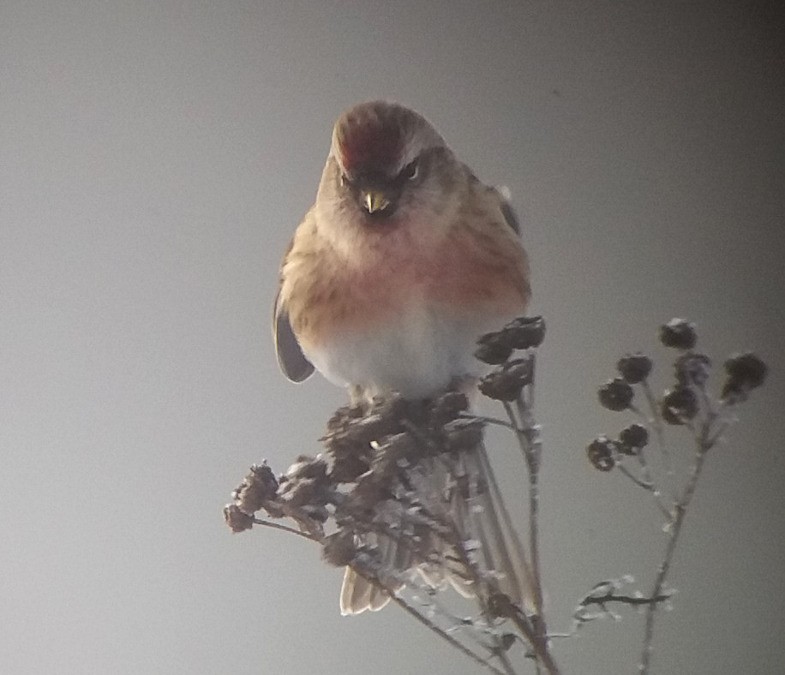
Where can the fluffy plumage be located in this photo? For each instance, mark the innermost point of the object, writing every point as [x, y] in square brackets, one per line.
[404, 260]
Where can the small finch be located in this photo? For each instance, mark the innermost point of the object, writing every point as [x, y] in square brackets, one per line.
[402, 263]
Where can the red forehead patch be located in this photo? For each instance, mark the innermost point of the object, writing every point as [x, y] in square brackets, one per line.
[367, 139]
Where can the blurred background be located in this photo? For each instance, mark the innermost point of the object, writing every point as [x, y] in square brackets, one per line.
[155, 158]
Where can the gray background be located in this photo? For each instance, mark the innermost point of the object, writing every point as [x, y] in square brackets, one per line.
[155, 158]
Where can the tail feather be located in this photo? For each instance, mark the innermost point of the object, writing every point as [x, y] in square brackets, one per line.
[359, 594]
[482, 516]
[459, 488]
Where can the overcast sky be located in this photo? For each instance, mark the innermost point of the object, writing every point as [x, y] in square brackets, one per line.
[155, 158]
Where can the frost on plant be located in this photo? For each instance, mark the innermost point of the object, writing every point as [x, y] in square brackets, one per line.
[404, 498]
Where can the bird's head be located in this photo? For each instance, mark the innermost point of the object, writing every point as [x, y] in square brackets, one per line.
[385, 160]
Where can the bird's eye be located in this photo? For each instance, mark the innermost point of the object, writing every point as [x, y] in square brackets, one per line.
[410, 171]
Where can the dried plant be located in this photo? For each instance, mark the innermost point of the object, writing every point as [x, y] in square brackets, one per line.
[687, 403]
[371, 502]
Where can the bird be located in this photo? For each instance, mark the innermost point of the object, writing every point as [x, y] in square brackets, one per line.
[404, 260]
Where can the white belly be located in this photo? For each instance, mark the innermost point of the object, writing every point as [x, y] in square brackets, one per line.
[418, 356]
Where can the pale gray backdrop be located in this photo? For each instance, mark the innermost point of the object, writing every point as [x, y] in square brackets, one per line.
[155, 158]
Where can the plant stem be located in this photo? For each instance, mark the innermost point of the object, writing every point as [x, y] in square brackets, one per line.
[285, 528]
[656, 421]
[679, 513]
[528, 439]
[445, 636]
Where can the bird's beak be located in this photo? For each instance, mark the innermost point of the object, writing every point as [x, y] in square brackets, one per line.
[375, 200]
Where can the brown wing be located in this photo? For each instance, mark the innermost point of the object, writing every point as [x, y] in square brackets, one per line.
[290, 357]
[509, 214]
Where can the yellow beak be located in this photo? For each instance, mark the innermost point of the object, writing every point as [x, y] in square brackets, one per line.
[374, 201]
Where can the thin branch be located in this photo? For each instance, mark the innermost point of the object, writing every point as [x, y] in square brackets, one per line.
[603, 600]
[528, 441]
[655, 491]
[646, 486]
[487, 420]
[656, 422]
[532, 454]
[680, 511]
[441, 633]
[285, 528]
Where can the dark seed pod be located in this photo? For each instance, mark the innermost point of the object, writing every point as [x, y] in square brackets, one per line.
[601, 453]
[679, 405]
[679, 334]
[258, 487]
[525, 332]
[745, 372]
[338, 549]
[633, 438]
[634, 368]
[616, 394]
[692, 368]
[236, 519]
[506, 383]
[447, 407]
[462, 435]
[493, 349]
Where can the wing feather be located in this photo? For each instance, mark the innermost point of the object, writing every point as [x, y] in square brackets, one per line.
[291, 359]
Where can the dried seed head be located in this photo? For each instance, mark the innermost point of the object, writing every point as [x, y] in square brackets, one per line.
[371, 428]
[301, 492]
[679, 405]
[493, 349]
[372, 489]
[338, 549]
[679, 334]
[347, 467]
[634, 368]
[500, 605]
[601, 452]
[462, 435]
[393, 453]
[343, 417]
[615, 394]
[258, 487]
[633, 438]
[692, 368]
[307, 467]
[525, 332]
[448, 407]
[237, 520]
[745, 373]
[507, 382]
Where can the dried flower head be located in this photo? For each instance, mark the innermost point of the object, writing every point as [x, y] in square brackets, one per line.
[308, 467]
[525, 332]
[745, 373]
[679, 334]
[633, 438]
[258, 486]
[493, 349]
[506, 383]
[447, 407]
[237, 520]
[692, 368]
[634, 368]
[462, 434]
[338, 549]
[679, 405]
[615, 394]
[602, 453]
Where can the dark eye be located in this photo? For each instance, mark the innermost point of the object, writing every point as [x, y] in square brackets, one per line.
[410, 171]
